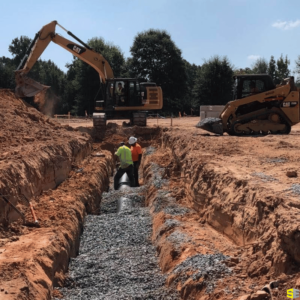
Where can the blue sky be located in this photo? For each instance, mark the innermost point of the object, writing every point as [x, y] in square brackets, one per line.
[243, 30]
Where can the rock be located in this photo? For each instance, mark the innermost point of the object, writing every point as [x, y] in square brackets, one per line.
[260, 295]
[291, 174]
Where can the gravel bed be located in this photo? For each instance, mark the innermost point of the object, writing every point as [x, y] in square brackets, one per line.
[116, 258]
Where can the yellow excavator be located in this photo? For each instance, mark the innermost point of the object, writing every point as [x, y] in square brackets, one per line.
[124, 98]
[260, 108]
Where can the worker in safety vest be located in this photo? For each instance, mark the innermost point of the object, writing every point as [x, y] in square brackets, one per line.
[126, 165]
[136, 152]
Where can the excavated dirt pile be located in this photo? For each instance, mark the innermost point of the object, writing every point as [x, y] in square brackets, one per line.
[59, 170]
[36, 154]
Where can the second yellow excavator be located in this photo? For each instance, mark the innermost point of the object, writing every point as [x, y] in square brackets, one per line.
[260, 108]
[124, 98]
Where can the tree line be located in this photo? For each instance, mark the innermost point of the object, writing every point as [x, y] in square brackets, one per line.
[154, 57]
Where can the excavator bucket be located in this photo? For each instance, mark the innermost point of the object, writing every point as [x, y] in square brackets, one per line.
[213, 125]
[27, 87]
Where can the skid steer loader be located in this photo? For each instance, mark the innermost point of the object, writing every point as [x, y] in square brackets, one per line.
[260, 108]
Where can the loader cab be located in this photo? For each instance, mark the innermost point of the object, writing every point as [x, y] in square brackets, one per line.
[249, 85]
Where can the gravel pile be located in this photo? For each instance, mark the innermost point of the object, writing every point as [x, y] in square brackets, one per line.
[295, 188]
[264, 177]
[207, 121]
[116, 258]
[277, 160]
[206, 266]
[149, 150]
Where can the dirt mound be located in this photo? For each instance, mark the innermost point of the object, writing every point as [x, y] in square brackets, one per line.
[36, 153]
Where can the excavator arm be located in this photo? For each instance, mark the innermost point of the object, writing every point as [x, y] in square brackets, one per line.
[26, 87]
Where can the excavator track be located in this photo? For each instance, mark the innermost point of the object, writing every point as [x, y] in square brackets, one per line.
[269, 122]
[139, 119]
[99, 124]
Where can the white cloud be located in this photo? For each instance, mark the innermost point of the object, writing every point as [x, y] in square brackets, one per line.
[284, 25]
[253, 57]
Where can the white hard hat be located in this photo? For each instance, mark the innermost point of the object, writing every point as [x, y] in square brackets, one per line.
[132, 140]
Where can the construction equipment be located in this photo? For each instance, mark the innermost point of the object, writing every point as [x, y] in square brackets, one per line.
[260, 108]
[123, 98]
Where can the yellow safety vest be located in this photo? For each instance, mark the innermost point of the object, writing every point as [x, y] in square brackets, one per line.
[124, 154]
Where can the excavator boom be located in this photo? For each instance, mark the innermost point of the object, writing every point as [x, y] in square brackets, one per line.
[26, 87]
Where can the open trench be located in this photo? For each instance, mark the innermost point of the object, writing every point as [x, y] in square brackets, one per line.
[157, 248]
[185, 236]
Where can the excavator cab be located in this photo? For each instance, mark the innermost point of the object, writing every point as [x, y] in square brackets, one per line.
[123, 92]
[129, 92]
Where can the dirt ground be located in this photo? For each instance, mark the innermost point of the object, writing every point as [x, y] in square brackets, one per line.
[242, 193]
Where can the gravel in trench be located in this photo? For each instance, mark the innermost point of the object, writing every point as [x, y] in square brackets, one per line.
[116, 258]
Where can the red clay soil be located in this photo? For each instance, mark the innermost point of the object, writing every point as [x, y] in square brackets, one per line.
[57, 169]
[36, 153]
[243, 204]
[241, 192]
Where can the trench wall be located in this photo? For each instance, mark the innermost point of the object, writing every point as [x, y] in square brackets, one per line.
[246, 214]
[37, 261]
[40, 170]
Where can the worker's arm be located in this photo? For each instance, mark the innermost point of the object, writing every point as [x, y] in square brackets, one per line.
[116, 158]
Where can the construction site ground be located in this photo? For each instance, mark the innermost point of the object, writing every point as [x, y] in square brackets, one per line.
[223, 210]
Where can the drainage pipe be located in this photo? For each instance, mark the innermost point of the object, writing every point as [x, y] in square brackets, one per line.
[123, 202]
[124, 182]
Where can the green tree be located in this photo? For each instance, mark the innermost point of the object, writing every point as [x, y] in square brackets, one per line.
[297, 71]
[18, 48]
[243, 71]
[214, 82]
[260, 66]
[7, 78]
[272, 68]
[155, 57]
[190, 101]
[282, 68]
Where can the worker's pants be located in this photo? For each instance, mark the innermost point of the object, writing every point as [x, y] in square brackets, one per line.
[136, 165]
[120, 173]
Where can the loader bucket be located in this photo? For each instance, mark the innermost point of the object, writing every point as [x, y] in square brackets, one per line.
[213, 125]
[27, 87]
